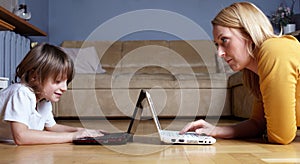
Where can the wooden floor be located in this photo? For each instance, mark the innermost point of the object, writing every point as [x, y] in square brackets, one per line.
[147, 149]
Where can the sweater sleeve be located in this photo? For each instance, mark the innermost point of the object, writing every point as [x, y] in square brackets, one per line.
[278, 69]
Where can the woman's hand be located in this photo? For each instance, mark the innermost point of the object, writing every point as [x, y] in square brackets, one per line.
[200, 127]
[247, 128]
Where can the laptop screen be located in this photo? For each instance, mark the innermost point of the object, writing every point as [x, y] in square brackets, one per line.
[137, 114]
[152, 109]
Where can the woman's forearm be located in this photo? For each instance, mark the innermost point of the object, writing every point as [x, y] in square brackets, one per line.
[248, 128]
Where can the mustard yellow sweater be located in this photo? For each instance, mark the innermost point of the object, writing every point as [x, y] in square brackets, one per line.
[279, 73]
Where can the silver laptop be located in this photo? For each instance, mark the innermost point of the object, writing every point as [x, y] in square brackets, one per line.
[173, 137]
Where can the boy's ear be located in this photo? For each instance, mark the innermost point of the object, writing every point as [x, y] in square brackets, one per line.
[33, 76]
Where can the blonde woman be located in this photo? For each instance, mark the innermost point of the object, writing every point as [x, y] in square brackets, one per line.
[245, 39]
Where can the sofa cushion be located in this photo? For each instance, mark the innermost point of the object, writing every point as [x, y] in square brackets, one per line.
[124, 81]
[147, 80]
[198, 54]
[145, 57]
[176, 56]
[85, 59]
[202, 80]
[109, 52]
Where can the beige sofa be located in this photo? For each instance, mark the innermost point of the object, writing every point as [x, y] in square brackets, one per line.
[185, 79]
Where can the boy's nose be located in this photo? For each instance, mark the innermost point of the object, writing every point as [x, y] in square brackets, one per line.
[64, 86]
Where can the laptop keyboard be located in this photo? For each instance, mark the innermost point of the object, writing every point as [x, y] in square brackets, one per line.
[186, 136]
[175, 134]
[110, 139]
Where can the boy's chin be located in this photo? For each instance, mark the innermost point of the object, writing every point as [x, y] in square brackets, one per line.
[54, 99]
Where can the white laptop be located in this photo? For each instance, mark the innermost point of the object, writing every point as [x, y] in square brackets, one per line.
[173, 137]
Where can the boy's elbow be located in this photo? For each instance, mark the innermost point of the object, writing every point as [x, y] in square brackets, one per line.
[20, 140]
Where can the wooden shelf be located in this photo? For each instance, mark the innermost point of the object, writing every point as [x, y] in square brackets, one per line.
[6, 26]
[21, 26]
[295, 33]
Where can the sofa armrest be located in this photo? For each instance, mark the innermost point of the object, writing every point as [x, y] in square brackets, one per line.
[235, 79]
[241, 98]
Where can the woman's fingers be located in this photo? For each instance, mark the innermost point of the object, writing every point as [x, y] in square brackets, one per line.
[192, 126]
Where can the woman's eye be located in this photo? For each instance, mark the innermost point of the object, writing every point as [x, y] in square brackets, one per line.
[224, 40]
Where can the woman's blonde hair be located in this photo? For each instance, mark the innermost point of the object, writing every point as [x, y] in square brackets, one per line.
[42, 62]
[254, 26]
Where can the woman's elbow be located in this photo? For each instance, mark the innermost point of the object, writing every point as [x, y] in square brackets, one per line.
[284, 139]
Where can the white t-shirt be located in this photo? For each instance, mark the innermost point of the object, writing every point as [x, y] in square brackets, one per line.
[18, 103]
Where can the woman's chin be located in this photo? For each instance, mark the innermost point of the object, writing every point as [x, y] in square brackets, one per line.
[235, 68]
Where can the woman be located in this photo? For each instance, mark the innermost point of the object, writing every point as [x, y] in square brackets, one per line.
[245, 39]
[25, 107]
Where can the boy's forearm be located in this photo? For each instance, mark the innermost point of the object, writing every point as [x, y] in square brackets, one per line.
[63, 128]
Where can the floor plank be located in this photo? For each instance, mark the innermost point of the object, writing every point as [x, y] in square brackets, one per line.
[148, 149]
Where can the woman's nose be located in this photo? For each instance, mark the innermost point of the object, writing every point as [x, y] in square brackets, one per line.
[220, 52]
